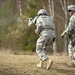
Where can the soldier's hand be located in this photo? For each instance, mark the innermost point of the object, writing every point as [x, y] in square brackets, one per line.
[29, 19]
[62, 35]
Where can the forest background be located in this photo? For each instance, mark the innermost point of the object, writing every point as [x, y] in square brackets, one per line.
[17, 37]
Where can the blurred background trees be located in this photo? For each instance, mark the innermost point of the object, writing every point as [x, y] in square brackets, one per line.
[14, 32]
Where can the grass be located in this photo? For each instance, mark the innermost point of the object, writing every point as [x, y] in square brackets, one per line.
[26, 65]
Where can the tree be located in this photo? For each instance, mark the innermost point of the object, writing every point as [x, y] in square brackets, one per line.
[64, 8]
[51, 9]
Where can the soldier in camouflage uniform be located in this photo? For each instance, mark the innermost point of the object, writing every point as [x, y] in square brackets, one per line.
[70, 31]
[45, 30]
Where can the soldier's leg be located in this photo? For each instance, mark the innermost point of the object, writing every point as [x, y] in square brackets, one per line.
[70, 50]
[73, 47]
[72, 54]
[47, 47]
[39, 48]
[42, 53]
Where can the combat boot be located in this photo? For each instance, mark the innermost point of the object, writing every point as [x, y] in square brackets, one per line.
[72, 64]
[40, 64]
[49, 64]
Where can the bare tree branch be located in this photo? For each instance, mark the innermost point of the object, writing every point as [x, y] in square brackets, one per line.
[50, 8]
[20, 22]
[62, 5]
[28, 4]
[43, 4]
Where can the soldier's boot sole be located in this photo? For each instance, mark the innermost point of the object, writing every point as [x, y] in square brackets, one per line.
[49, 64]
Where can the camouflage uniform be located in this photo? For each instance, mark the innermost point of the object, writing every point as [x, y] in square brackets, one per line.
[70, 30]
[45, 30]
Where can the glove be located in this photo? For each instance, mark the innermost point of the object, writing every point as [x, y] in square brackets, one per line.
[29, 19]
[54, 39]
[62, 35]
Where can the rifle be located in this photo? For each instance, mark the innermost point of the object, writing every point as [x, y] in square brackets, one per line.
[26, 20]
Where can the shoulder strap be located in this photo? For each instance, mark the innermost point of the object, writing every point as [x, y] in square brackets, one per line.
[36, 19]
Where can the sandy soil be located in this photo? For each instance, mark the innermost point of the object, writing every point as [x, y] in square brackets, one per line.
[26, 65]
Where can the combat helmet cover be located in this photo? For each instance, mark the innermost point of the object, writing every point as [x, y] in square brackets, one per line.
[42, 11]
[71, 7]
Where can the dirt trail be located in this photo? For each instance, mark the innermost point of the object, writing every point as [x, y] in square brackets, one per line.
[25, 65]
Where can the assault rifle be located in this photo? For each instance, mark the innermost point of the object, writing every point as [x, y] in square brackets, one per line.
[26, 20]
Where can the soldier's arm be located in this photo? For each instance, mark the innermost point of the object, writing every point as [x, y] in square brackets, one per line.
[67, 30]
[32, 21]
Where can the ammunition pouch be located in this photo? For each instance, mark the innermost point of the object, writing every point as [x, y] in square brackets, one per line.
[73, 41]
[54, 39]
[69, 36]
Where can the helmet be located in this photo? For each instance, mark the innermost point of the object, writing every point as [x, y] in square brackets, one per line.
[71, 7]
[42, 11]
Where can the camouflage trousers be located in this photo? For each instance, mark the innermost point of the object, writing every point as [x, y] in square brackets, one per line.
[41, 46]
[71, 49]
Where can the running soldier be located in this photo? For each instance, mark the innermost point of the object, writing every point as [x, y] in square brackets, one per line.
[70, 31]
[45, 30]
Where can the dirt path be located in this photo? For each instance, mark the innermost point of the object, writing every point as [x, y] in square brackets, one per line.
[25, 65]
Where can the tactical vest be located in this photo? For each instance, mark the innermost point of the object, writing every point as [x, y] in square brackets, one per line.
[72, 20]
[46, 22]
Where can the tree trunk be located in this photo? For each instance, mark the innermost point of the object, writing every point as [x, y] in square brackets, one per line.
[43, 4]
[28, 7]
[20, 13]
[64, 8]
[51, 9]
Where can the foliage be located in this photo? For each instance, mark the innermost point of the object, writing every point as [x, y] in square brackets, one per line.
[17, 35]
[33, 5]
